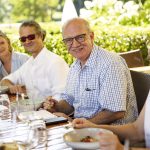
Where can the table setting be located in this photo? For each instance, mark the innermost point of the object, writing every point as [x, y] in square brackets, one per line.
[26, 129]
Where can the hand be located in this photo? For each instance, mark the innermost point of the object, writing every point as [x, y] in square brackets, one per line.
[109, 142]
[50, 104]
[82, 123]
[16, 89]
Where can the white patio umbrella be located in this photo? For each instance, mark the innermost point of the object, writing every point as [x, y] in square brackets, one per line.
[69, 11]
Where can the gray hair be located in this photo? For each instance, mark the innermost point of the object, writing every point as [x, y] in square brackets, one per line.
[80, 20]
[32, 23]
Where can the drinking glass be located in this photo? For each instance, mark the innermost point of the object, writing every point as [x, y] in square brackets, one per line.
[4, 107]
[34, 97]
[6, 131]
[31, 135]
[26, 110]
[25, 136]
[40, 127]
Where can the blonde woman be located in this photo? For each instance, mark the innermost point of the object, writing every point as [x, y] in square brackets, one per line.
[10, 60]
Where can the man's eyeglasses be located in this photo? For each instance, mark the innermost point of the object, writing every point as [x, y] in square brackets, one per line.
[79, 38]
[29, 37]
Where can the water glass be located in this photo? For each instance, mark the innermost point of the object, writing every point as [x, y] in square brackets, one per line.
[4, 107]
[6, 131]
[35, 98]
[31, 135]
[25, 136]
[26, 110]
[40, 127]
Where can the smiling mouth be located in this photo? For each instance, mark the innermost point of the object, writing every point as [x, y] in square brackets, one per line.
[77, 49]
[2, 51]
[29, 45]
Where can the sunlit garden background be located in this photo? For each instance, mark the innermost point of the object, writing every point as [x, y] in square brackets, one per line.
[119, 25]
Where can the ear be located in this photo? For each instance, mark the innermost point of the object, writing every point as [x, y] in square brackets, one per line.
[92, 36]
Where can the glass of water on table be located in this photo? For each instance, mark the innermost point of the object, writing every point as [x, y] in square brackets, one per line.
[26, 112]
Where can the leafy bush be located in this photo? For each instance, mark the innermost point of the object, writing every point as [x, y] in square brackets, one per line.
[116, 12]
[112, 38]
[112, 22]
[124, 39]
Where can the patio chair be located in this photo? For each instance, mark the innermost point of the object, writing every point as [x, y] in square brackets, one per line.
[141, 83]
[133, 58]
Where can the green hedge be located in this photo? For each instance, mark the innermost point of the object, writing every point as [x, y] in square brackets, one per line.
[112, 38]
[122, 39]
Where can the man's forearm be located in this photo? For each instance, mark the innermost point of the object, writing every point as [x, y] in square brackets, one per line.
[106, 117]
[64, 107]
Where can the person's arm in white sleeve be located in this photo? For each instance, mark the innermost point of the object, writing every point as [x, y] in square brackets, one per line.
[13, 81]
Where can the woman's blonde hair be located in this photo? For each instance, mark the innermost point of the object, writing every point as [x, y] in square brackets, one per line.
[3, 35]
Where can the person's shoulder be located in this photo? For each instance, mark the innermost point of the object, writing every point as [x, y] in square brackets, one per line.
[107, 55]
[54, 59]
[107, 58]
[53, 56]
[20, 54]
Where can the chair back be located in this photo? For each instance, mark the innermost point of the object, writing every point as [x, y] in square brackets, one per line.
[141, 83]
[133, 58]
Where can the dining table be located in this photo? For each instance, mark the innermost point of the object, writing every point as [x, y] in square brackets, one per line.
[55, 133]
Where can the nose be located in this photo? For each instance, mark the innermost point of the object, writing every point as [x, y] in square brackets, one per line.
[27, 41]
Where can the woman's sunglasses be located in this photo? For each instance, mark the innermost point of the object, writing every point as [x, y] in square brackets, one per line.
[29, 37]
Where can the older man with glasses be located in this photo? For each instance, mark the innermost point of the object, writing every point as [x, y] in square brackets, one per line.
[44, 73]
[99, 86]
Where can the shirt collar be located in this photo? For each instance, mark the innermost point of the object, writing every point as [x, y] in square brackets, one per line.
[40, 56]
[91, 62]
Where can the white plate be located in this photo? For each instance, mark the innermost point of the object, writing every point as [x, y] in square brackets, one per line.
[32, 115]
[74, 137]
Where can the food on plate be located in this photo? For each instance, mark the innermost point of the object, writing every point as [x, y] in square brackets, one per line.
[88, 139]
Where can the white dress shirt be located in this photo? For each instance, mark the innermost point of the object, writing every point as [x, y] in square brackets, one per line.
[43, 76]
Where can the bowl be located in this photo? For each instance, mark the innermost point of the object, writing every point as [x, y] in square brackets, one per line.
[76, 137]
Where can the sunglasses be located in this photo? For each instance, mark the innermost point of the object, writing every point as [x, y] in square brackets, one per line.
[29, 37]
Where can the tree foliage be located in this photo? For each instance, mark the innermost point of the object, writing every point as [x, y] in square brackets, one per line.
[116, 12]
[5, 8]
[33, 9]
[40, 10]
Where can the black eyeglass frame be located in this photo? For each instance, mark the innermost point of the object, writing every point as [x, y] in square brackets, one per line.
[79, 38]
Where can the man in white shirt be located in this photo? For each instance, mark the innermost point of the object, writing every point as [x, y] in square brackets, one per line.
[44, 73]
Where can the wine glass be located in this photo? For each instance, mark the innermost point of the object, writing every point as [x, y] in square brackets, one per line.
[4, 107]
[31, 135]
[35, 98]
[25, 136]
[6, 131]
[26, 110]
[40, 127]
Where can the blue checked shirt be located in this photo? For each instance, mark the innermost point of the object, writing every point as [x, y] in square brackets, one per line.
[103, 83]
